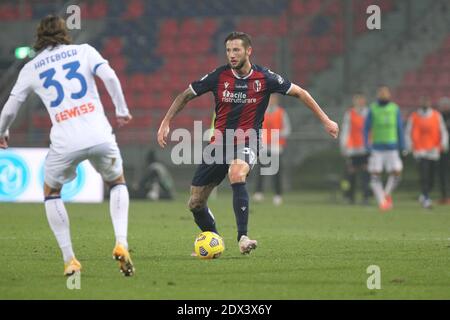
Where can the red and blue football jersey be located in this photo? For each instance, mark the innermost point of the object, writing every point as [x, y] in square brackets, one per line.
[240, 101]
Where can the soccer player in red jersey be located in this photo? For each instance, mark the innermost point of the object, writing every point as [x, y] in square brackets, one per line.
[242, 91]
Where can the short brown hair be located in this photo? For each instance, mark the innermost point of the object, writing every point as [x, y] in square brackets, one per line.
[51, 31]
[246, 40]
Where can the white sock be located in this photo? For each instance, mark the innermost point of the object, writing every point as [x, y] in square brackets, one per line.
[377, 188]
[59, 223]
[118, 204]
[392, 183]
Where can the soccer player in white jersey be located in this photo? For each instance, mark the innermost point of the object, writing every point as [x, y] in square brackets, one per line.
[62, 74]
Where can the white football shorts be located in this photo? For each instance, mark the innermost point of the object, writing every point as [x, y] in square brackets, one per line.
[61, 168]
[385, 159]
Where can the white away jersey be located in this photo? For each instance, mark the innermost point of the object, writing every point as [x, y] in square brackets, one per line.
[63, 77]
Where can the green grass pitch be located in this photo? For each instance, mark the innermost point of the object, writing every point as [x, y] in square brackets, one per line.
[309, 248]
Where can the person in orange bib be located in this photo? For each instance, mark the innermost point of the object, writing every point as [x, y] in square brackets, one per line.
[275, 118]
[426, 138]
[353, 148]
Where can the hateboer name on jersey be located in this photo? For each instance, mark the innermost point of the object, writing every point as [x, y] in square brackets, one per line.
[55, 57]
[74, 112]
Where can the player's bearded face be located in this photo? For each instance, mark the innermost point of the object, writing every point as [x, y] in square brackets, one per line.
[237, 54]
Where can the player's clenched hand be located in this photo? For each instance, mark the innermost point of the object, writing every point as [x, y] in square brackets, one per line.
[122, 121]
[3, 142]
[332, 128]
[163, 132]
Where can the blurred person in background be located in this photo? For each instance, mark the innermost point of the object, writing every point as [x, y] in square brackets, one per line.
[385, 128]
[444, 160]
[353, 148]
[156, 182]
[275, 118]
[426, 137]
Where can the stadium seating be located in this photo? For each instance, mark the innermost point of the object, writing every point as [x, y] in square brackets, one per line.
[158, 47]
[317, 28]
[431, 79]
[13, 11]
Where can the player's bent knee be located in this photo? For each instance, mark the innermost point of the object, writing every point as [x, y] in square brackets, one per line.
[119, 180]
[196, 203]
[236, 177]
[51, 192]
[238, 172]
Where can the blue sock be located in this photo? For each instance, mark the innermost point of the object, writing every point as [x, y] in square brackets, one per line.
[204, 219]
[240, 206]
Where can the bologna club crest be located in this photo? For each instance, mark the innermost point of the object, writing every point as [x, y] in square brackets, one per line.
[257, 85]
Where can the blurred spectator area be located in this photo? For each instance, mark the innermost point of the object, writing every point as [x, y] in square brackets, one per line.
[432, 79]
[158, 47]
[316, 29]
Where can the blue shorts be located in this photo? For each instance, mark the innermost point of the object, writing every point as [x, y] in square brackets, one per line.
[210, 171]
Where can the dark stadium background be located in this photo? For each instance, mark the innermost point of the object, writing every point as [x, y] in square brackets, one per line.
[158, 47]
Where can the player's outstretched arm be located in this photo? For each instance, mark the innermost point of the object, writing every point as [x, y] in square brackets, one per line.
[7, 117]
[330, 126]
[177, 105]
[112, 84]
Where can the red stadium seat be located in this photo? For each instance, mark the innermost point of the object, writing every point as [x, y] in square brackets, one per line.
[305, 45]
[386, 5]
[333, 8]
[446, 62]
[268, 27]
[135, 10]
[118, 63]
[427, 79]
[283, 25]
[25, 12]
[339, 27]
[153, 82]
[301, 78]
[145, 100]
[8, 12]
[432, 60]
[167, 46]
[186, 45]
[98, 9]
[145, 121]
[248, 25]
[208, 26]
[325, 44]
[312, 6]
[192, 64]
[189, 28]
[297, 8]
[210, 63]
[174, 64]
[301, 62]
[168, 28]
[138, 82]
[202, 44]
[321, 62]
[443, 79]
[112, 47]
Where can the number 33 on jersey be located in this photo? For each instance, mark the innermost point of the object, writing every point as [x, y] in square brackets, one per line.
[63, 77]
